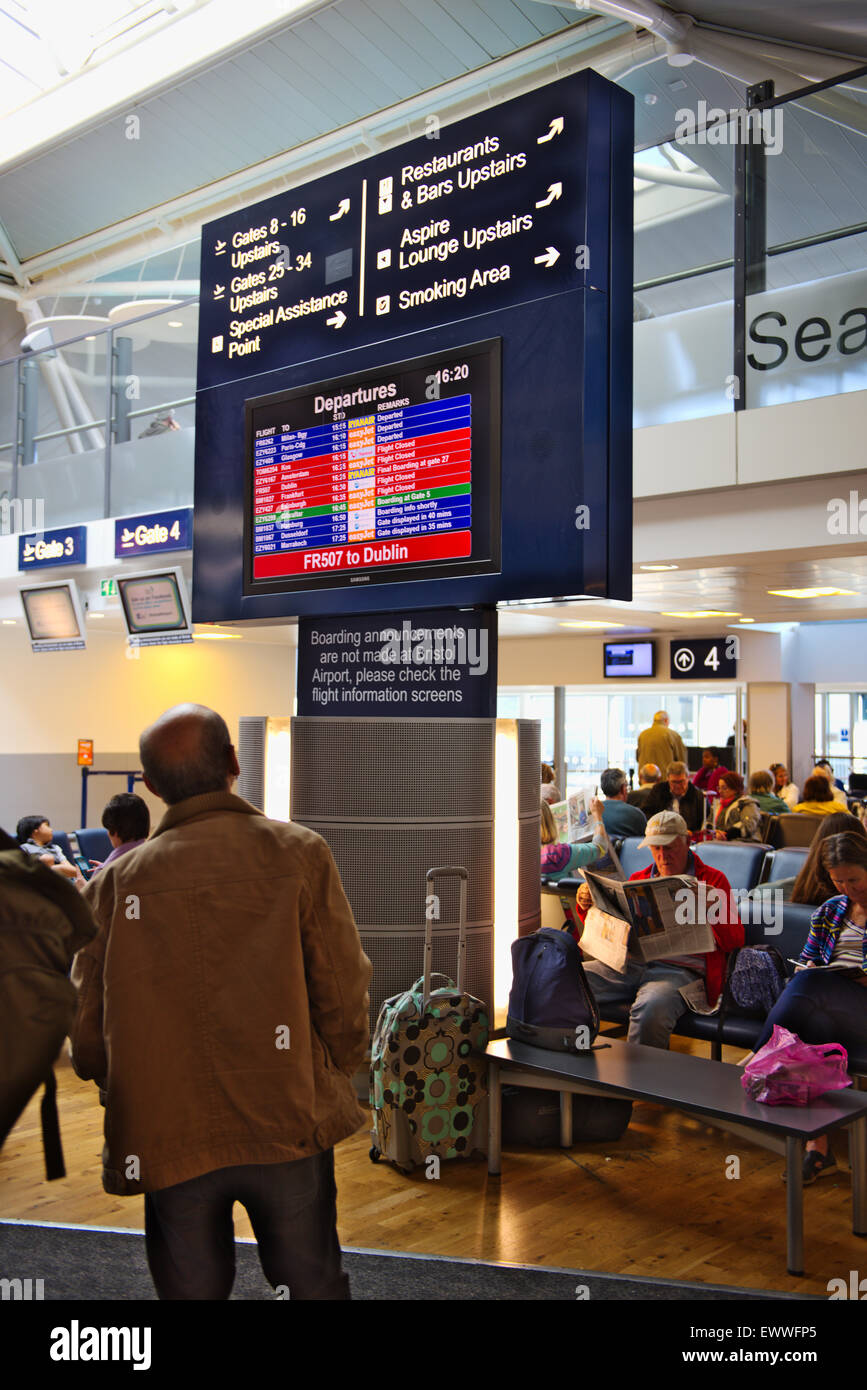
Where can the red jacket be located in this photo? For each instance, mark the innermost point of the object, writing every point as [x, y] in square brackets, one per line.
[708, 781]
[728, 932]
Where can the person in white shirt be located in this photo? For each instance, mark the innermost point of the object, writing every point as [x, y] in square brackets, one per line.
[783, 788]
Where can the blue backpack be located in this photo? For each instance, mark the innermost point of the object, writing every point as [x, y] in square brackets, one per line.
[550, 997]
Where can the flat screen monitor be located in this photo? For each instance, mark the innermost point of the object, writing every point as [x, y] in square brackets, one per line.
[629, 659]
[154, 605]
[53, 613]
[385, 475]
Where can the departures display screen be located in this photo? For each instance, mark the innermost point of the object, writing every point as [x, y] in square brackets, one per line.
[386, 474]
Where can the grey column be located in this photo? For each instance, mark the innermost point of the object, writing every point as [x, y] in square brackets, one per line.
[560, 736]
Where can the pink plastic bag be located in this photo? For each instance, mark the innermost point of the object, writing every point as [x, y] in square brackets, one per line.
[787, 1071]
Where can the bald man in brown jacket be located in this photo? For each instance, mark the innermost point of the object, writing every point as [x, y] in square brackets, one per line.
[223, 1011]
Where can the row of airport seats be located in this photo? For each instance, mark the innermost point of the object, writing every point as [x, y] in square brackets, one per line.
[768, 922]
[744, 865]
[83, 844]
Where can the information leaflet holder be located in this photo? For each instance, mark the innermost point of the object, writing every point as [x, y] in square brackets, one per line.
[415, 374]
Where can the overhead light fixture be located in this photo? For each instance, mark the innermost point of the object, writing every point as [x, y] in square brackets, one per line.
[591, 624]
[657, 568]
[96, 615]
[175, 323]
[813, 593]
[746, 620]
[702, 613]
[9, 622]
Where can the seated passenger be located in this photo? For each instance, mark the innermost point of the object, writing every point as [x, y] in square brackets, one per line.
[619, 817]
[128, 822]
[825, 766]
[783, 788]
[35, 837]
[737, 816]
[708, 775]
[813, 884]
[648, 776]
[550, 791]
[824, 1006]
[677, 794]
[818, 798]
[761, 790]
[824, 770]
[559, 860]
[653, 990]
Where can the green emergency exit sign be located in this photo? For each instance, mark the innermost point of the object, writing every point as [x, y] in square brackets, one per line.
[108, 588]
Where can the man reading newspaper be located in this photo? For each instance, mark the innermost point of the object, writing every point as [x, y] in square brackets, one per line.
[653, 987]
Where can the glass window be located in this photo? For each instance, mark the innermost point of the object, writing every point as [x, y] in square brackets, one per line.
[807, 329]
[682, 306]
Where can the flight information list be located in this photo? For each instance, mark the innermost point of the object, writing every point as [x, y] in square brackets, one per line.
[371, 490]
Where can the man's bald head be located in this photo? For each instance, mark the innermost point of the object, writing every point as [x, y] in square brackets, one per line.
[187, 752]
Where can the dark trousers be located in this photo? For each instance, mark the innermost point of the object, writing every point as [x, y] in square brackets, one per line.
[821, 1007]
[190, 1236]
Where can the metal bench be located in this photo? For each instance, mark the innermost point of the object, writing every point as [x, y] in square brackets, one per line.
[712, 1090]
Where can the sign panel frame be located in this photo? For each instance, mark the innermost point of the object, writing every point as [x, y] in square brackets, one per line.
[566, 329]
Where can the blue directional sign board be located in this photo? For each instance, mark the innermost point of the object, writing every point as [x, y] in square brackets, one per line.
[65, 546]
[154, 533]
[414, 374]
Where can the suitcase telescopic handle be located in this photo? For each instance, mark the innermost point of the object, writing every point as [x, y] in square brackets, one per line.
[445, 871]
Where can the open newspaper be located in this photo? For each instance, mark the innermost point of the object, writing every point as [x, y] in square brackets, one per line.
[645, 919]
[571, 818]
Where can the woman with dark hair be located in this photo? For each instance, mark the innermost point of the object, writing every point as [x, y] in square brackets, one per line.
[738, 817]
[828, 1006]
[813, 884]
[818, 798]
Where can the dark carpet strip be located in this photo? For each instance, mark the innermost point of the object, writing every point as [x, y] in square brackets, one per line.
[97, 1265]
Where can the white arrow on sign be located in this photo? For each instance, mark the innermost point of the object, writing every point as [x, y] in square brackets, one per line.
[555, 128]
[550, 255]
[554, 191]
[342, 209]
[338, 320]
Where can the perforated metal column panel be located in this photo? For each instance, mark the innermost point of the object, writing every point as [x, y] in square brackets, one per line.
[397, 769]
[529, 835]
[393, 798]
[252, 731]
[401, 958]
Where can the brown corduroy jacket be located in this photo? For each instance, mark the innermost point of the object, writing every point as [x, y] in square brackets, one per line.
[223, 1005]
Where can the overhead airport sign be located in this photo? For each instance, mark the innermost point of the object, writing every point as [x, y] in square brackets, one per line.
[489, 213]
[704, 659]
[65, 546]
[330, 308]
[153, 533]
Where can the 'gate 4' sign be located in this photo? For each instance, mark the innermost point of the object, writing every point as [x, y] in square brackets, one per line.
[704, 659]
[153, 533]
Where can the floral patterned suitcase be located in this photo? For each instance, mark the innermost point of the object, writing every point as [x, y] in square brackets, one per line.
[428, 1091]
